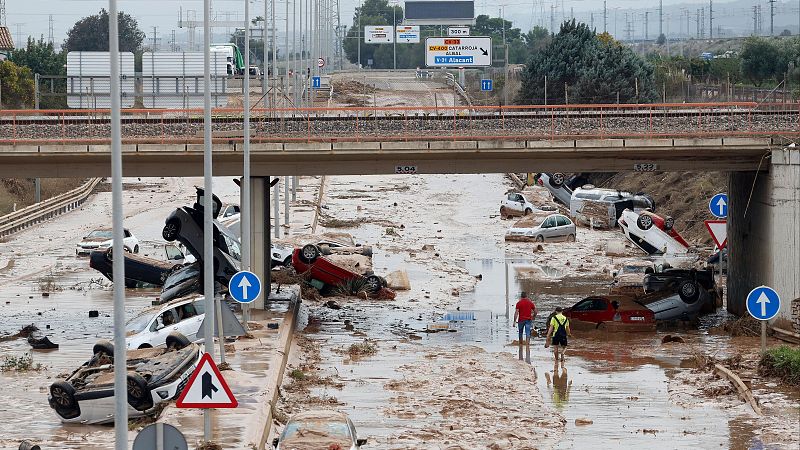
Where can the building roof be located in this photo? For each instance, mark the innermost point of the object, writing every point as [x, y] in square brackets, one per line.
[6, 43]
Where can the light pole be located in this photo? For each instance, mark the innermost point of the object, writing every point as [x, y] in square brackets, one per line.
[394, 34]
[120, 360]
[245, 186]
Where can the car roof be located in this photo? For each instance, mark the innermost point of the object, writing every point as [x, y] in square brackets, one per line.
[626, 303]
[319, 415]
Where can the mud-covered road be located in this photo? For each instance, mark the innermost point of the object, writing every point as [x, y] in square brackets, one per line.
[467, 389]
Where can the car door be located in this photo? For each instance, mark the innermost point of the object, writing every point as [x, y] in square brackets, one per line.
[549, 228]
[189, 320]
[166, 322]
[560, 230]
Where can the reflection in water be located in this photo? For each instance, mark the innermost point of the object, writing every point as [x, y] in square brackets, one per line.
[559, 386]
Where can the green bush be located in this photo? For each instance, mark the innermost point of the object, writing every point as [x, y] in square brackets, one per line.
[783, 362]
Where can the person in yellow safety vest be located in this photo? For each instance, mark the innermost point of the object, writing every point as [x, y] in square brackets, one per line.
[557, 332]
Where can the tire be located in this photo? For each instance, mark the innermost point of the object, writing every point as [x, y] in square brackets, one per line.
[309, 253]
[127, 250]
[540, 238]
[177, 341]
[528, 211]
[109, 255]
[62, 396]
[644, 222]
[384, 283]
[688, 291]
[571, 238]
[136, 249]
[669, 222]
[131, 284]
[145, 346]
[287, 262]
[103, 347]
[171, 230]
[138, 393]
[374, 283]
[557, 179]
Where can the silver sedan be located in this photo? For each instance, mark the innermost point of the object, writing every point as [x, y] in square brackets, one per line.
[555, 227]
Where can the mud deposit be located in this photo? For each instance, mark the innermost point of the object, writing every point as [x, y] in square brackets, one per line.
[468, 388]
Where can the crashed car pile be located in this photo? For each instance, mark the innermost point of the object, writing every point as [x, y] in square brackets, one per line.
[644, 292]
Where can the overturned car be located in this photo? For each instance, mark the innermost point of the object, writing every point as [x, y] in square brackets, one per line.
[155, 375]
[330, 276]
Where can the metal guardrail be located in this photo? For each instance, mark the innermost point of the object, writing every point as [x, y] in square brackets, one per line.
[45, 210]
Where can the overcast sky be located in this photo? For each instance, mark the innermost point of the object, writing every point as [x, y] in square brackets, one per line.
[31, 17]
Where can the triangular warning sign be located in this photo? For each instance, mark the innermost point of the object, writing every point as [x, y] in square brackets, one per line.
[206, 388]
[718, 229]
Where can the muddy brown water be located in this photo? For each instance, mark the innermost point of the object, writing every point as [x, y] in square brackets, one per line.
[611, 380]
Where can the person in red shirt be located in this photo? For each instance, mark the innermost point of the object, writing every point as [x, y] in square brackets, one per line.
[524, 313]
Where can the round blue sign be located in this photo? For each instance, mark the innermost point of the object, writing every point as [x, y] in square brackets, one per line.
[718, 205]
[763, 303]
[244, 287]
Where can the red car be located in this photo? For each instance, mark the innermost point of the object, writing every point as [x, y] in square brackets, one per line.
[647, 219]
[605, 309]
[309, 259]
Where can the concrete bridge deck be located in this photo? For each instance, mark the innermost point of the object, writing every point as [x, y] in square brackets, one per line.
[469, 156]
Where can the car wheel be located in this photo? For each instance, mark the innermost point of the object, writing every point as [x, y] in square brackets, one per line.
[136, 249]
[145, 346]
[287, 262]
[669, 222]
[103, 347]
[503, 213]
[177, 341]
[571, 238]
[110, 254]
[688, 291]
[374, 283]
[644, 222]
[528, 211]
[384, 283]
[557, 179]
[309, 253]
[171, 230]
[127, 249]
[63, 396]
[138, 394]
[540, 238]
[131, 284]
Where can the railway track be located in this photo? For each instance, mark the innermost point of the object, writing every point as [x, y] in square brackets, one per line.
[320, 124]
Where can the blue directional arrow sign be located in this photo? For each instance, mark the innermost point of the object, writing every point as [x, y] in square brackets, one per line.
[244, 287]
[486, 85]
[719, 205]
[763, 303]
[316, 82]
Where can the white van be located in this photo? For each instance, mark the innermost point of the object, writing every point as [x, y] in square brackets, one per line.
[601, 208]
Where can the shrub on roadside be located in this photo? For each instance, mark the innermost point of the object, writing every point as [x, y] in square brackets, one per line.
[782, 362]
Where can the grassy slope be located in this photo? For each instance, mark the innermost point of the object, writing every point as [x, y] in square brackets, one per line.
[20, 191]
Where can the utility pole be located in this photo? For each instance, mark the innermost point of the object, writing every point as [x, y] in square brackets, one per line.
[552, 19]
[3, 13]
[605, 17]
[660, 17]
[50, 33]
[173, 45]
[771, 17]
[591, 21]
[155, 38]
[646, 25]
[755, 20]
[711, 19]
[703, 22]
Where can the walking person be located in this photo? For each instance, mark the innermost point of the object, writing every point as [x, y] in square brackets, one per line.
[557, 332]
[524, 313]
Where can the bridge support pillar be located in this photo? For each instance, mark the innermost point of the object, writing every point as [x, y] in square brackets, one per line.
[764, 233]
[259, 231]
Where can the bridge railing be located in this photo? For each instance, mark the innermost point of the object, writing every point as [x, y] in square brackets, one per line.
[331, 124]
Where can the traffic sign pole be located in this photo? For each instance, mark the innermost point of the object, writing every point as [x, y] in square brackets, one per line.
[245, 187]
[208, 204]
[763, 303]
